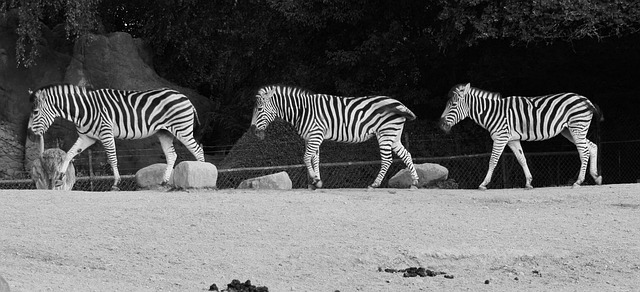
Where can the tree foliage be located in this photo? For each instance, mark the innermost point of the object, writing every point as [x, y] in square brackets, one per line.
[413, 50]
[78, 16]
[536, 21]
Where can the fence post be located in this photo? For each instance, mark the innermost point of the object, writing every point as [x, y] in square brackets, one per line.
[504, 171]
[90, 169]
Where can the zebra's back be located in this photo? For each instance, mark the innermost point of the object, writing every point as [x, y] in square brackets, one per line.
[357, 119]
[140, 114]
[544, 117]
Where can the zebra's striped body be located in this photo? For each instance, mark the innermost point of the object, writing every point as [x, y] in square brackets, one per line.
[513, 119]
[318, 117]
[107, 114]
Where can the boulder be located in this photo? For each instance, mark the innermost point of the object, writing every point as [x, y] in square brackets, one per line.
[150, 177]
[429, 174]
[195, 174]
[46, 167]
[276, 181]
[116, 60]
[15, 81]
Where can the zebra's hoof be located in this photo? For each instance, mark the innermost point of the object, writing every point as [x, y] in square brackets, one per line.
[482, 188]
[599, 180]
[528, 187]
[575, 185]
[413, 187]
[318, 184]
[311, 187]
[115, 189]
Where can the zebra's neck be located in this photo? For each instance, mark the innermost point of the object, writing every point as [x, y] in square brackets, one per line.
[72, 102]
[486, 108]
[292, 106]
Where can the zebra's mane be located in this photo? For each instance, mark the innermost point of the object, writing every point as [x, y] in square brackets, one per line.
[32, 97]
[487, 93]
[287, 88]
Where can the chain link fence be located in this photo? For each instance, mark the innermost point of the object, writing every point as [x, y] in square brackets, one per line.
[619, 164]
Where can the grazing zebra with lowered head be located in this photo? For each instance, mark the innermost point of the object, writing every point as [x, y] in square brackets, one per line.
[318, 117]
[108, 114]
[513, 119]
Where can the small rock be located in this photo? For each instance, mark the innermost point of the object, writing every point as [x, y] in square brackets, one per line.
[448, 276]
[486, 281]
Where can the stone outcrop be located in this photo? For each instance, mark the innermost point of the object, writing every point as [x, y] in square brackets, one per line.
[45, 169]
[195, 175]
[429, 174]
[116, 60]
[15, 81]
[276, 181]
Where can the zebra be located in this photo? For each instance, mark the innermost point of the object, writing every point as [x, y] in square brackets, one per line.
[318, 117]
[515, 118]
[107, 114]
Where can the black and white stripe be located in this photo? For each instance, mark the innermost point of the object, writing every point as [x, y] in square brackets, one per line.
[318, 117]
[107, 114]
[515, 118]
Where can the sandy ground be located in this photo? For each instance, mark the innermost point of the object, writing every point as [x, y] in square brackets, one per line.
[558, 239]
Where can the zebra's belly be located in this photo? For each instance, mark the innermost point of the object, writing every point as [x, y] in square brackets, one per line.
[129, 134]
[350, 139]
[538, 135]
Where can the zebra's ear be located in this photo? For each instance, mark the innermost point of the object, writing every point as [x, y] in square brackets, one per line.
[30, 91]
[466, 90]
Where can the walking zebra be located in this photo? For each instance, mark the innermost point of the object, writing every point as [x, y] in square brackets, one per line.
[317, 117]
[515, 118]
[108, 114]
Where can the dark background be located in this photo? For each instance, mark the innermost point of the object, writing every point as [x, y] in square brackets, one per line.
[413, 50]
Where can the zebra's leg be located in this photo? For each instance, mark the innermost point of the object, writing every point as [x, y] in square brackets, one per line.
[577, 136]
[496, 152]
[385, 142]
[83, 142]
[191, 144]
[402, 152]
[517, 150]
[166, 141]
[110, 148]
[593, 165]
[315, 161]
[312, 149]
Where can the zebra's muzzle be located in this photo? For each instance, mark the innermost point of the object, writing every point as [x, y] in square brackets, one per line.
[259, 133]
[444, 126]
[31, 135]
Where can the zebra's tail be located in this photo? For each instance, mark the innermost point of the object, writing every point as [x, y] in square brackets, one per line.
[196, 125]
[402, 110]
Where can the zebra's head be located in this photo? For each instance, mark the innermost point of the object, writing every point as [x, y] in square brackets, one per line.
[42, 113]
[457, 108]
[264, 112]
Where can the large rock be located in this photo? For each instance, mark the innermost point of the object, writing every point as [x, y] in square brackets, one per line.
[429, 174]
[45, 168]
[15, 81]
[195, 174]
[150, 177]
[276, 181]
[116, 60]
